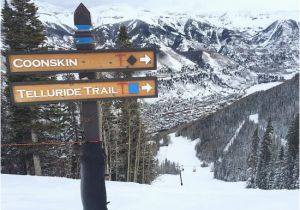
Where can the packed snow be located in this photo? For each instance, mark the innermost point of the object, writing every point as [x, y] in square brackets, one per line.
[261, 87]
[234, 136]
[199, 190]
[177, 151]
[254, 118]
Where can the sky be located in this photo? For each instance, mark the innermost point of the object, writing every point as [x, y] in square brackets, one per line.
[200, 5]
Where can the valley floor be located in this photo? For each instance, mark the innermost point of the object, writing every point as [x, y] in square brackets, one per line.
[199, 191]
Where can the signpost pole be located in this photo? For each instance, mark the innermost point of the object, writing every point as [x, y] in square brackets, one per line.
[93, 191]
[180, 169]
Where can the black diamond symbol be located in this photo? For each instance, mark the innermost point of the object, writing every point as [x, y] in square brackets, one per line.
[131, 60]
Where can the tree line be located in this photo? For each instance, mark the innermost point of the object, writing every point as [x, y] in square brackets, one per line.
[269, 168]
[169, 167]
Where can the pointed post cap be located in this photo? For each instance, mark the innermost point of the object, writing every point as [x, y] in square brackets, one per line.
[82, 16]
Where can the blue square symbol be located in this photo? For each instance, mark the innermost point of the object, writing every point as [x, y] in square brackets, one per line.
[134, 88]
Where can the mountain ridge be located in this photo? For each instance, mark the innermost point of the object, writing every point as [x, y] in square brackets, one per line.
[205, 62]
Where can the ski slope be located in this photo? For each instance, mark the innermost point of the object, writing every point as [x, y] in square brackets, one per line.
[199, 191]
[179, 150]
[261, 87]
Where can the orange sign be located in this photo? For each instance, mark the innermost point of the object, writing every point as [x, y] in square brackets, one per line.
[38, 92]
[81, 61]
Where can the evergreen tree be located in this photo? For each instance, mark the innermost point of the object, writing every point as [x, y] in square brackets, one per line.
[295, 183]
[23, 31]
[10, 163]
[7, 23]
[292, 156]
[253, 160]
[123, 41]
[278, 170]
[265, 155]
[168, 167]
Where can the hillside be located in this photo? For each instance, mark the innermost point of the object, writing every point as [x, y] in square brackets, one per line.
[199, 190]
[205, 60]
[226, 135]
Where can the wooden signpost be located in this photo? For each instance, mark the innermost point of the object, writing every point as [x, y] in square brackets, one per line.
[39, 92]
[85, 61]
[81, 61]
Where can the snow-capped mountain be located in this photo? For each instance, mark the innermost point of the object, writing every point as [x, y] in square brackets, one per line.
[205, 61]
[277, 32]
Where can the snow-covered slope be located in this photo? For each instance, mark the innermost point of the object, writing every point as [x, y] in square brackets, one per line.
[180, 150]
[199, 190]
[226, 135]
[277, 32]
[231, 141]
[261, 87]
